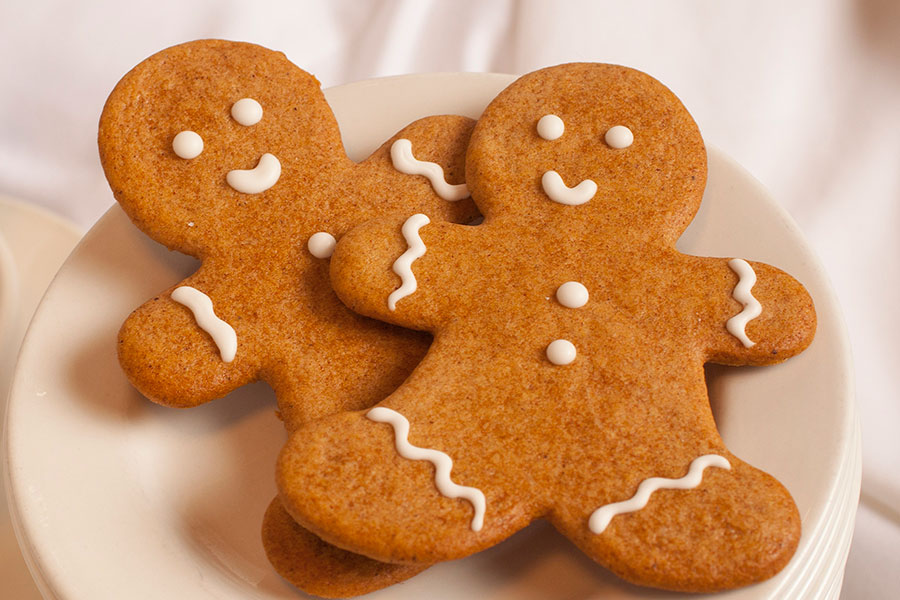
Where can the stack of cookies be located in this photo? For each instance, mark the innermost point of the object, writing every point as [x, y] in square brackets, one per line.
[444, 384]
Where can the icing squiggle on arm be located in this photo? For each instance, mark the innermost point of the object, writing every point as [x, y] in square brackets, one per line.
[403, 265]
[404, 161]
[601, 517]
[443, 464]
[201, 305]
[737, 324]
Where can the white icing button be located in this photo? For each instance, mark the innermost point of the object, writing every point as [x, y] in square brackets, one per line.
[561, 352]
[321, 244]
[187, 145]
[247, 111]
[550, 127]
[572, 294]
[619, 137]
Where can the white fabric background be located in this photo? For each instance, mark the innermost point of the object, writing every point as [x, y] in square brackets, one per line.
[806, 95]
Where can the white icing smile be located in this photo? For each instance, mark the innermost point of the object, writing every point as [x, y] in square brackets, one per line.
[258, 179]
[558, 191]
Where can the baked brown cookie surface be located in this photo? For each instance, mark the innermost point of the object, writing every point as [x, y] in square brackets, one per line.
[336, 573]
[566, 378]
[228, 152]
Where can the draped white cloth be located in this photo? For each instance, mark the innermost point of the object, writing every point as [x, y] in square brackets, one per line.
[804, 94]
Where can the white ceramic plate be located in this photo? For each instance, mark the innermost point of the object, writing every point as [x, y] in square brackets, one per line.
[119, 498]
[33, 244]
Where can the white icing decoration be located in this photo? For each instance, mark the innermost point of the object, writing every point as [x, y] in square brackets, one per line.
[187, 145]
[258, 179]
[619, 137]
[200, 304]
[247, 111]
[550, 127]
[737, 324]
[321, 244]
[561, 352]
[601, 517]
[403, 265]
[404, 161]
[557, 190]
[572, 294]
[443, 464]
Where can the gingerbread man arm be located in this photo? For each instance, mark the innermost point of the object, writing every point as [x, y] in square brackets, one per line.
[180, 350]
[404, 272]
[422, 165]
[750, 312]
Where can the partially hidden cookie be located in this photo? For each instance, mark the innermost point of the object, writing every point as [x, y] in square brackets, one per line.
[566, 378]
[229, 153]
[320, 568]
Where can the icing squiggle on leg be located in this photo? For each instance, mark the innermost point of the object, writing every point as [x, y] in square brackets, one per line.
[737, 324]
[443, 464]
[404, 161]
[403, 265]
[601, 517]
[201, 305]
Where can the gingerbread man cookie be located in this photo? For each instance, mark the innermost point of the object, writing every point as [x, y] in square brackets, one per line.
[229, 153]
[566, 379]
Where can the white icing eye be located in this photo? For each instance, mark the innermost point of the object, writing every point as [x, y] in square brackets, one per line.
[619, 137]
[561, 352]
[187, 144]
[572, 294]
[247, 111]
[321, 244]
[550, 127]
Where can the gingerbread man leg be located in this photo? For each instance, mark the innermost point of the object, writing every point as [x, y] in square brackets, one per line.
[322, 569]
[393, 482]
[739, 519]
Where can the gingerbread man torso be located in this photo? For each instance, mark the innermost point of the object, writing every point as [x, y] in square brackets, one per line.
[566, 378]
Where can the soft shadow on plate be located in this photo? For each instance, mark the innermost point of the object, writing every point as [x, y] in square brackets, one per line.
[220, 510]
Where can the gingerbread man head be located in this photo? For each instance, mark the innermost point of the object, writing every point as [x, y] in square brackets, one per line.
[608, 139]
[229, 153]
[566, 379]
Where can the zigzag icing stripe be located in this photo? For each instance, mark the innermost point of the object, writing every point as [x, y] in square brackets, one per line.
[406, 163]
[201, 305]
[443, 464]
[737, 324]
[601, 517]
[403, 265]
